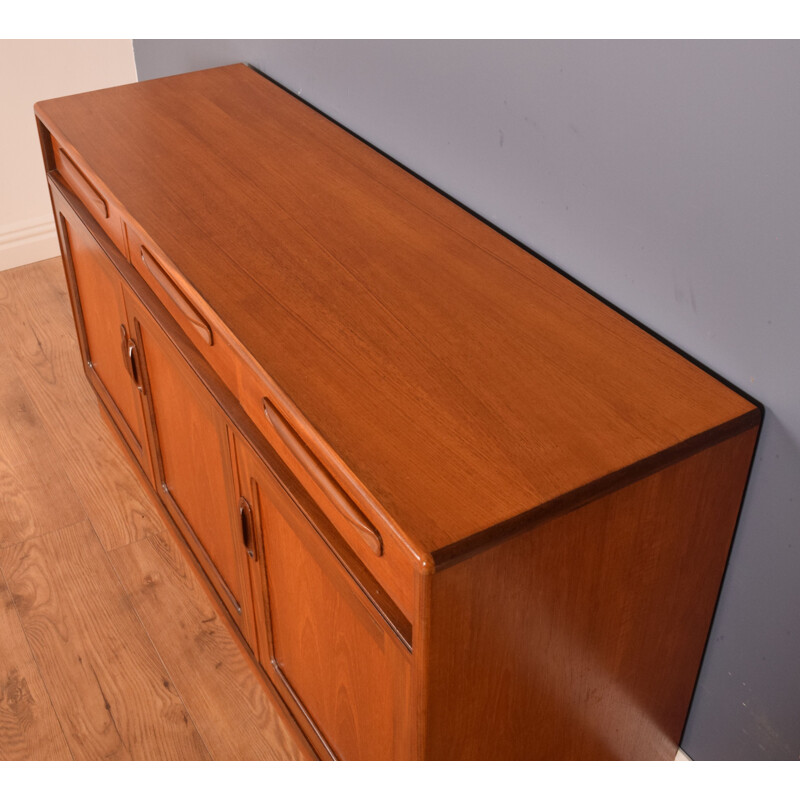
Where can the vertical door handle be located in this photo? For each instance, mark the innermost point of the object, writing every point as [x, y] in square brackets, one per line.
[246, 521]
[134, 365]
[130, 359]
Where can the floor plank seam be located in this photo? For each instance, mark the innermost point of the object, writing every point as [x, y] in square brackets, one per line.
[8, 545]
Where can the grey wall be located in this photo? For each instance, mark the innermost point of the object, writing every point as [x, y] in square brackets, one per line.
[664, 175]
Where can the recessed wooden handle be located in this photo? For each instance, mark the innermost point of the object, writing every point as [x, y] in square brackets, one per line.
[135, 372]
[130, 358]
[323, 479]
[76, 176]
[246, 521]
[176, 295]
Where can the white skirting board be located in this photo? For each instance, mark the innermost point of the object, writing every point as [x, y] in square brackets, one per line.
[27, 241]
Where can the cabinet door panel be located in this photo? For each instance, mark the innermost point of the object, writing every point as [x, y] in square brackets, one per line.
[192, 464]
[337, 657]
[96, 290]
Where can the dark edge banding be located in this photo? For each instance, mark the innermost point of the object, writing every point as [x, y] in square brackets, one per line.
[570, 501]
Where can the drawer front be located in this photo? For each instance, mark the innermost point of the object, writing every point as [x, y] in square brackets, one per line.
[185, 307]
[83, 183]
[383, 555]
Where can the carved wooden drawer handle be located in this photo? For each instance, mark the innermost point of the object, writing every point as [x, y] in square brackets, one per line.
[76, 176]
[323, 479]
[176, 295]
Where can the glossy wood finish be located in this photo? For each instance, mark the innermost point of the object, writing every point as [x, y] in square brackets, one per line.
[174, 293]
[340, 662]
[394, 568]
[461, 380]
[103, 330]
[584, 614]
[456, 506]
[83, 187]
[192, 463]
[331, 490]
[171, 291]
[188, 311]
[76, 175]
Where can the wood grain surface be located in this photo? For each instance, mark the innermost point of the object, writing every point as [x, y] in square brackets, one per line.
[107, 683]
[194, 463]
[56, 460]
[102, 315]
[583, 639]
[39, 335]
[236, 717]
[29, 728]
[564, 484]
[36, 496]
[338, 657]
[462, 380]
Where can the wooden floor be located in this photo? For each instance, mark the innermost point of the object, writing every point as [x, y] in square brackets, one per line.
[109, 646]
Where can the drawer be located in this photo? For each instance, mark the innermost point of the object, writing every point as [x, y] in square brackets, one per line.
[384, 557]
[379, 549]
[82, 182]
[183, 305]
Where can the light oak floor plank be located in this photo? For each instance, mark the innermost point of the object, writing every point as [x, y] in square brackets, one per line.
[235, 716]
[107, 684]
[36, 496]
[29, 728]
[38, 336]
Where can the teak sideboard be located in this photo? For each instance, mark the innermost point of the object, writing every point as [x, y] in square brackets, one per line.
[452, 504]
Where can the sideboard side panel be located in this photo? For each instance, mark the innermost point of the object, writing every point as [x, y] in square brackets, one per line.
[582, 638]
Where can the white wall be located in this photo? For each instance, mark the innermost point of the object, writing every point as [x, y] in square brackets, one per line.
[32, 70]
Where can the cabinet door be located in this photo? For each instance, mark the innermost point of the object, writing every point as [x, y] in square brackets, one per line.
[192, 463]
[328, 650]
[108, 351]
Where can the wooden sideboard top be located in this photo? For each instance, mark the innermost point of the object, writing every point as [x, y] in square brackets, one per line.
[464, 382]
